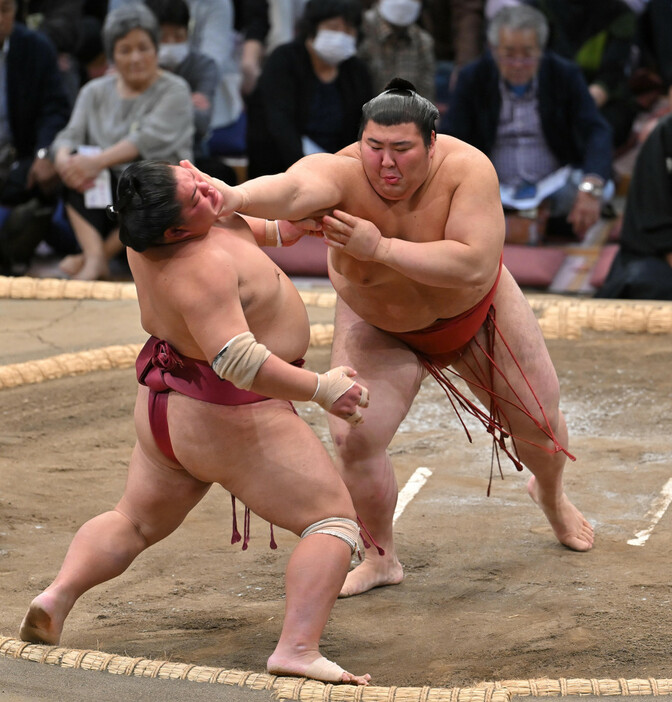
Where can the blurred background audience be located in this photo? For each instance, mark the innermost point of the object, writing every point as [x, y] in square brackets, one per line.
[34, 106]
[532, 114]
[563, 110]
[311, 90]
[642, 268]
[393, 44]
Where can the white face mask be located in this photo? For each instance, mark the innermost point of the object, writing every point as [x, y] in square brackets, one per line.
[401, 13]
[334, 47]
[172, 55]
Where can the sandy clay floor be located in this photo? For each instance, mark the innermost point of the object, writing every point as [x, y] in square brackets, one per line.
[488, 594]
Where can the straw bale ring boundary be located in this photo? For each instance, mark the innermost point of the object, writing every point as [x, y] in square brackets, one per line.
[559, 317]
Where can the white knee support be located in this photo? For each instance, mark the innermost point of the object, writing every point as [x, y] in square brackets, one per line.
[340, 527]
[240, 360]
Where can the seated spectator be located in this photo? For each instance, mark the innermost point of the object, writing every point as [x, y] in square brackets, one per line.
[311, 91]
[213, 34]
[655, 62]
[60, 21]
[457, 27]
[599, 35]
[642, 269]
[33, 108]
[136, 112]
[200, 72]
[531, 113]
[264, 25]
[394, 45]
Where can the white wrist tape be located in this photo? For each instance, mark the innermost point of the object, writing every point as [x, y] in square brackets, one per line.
[340, 527]
[240, 360]
[332, 385]
[273, 237]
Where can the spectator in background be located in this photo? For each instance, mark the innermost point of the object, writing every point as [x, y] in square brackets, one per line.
[531, 113]
[394, 45]
[137, 112]
[33, 108]
[311, 91]
[213, 34]
[642, 269]
[599, 35]
[457, 27]
[61, 22]
[264, 25]
[200, 72]
[177, 56]
[654, 64]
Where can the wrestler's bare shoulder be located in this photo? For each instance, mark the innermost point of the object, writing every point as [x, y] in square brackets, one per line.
[455, 159]
[347, 162]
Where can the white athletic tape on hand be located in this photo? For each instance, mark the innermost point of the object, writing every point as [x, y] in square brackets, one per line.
[334, 384]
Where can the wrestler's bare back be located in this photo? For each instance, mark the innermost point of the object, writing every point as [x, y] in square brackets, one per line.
[386, 297]
[222, 282]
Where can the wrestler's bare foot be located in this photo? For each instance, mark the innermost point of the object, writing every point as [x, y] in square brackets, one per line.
[315, 666]
[373, 572]
[71, 265]
[41, 625]
[570, 527]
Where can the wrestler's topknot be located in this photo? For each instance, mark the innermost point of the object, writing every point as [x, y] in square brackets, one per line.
[400, 103]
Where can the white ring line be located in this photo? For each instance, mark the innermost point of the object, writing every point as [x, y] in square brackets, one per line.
[410, 490]
[658, 509]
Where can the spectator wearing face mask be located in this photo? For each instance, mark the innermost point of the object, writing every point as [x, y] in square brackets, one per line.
[310, 93]
[201, 73]
[393, 44]
[177, 56]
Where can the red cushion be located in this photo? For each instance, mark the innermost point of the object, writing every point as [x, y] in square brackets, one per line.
[533, 266]
[308, 257]
[601, 268]
[530, 266]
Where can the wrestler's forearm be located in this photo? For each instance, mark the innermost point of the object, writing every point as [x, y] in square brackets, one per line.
[283, 381]
[281, 196]
[441, 264]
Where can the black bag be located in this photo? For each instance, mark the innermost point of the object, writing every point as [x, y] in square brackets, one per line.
[13, 190]
[27, 225]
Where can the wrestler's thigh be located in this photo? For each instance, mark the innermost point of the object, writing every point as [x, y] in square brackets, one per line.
[158, 497]
[265, 455]
[521, 331]
[387, 367]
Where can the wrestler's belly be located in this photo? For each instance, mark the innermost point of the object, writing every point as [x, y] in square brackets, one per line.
[393, 302]
[282, 321]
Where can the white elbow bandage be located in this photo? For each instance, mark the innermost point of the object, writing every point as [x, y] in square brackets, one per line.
[240, 360]
[332, 385]
[340, 527]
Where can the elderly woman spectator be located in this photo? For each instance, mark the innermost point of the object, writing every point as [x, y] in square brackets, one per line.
[135, 112]
[310, 94]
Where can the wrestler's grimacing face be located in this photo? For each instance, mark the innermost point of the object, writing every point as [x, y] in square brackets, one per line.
[395, 159]
[200, 202]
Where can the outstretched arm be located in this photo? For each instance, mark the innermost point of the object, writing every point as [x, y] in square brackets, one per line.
[313, 185]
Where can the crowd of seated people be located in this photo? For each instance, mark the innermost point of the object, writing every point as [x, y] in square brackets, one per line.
[560, 94]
